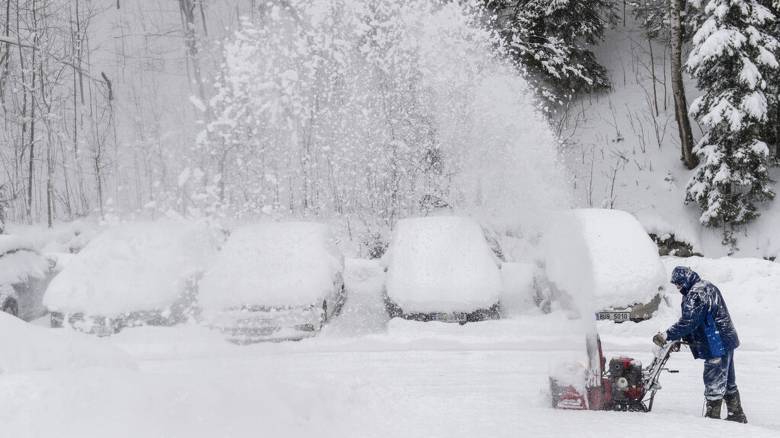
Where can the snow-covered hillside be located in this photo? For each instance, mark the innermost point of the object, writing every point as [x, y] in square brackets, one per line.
[625, 155]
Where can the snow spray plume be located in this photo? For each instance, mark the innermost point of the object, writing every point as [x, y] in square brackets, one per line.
[569, 267]
[381, 110]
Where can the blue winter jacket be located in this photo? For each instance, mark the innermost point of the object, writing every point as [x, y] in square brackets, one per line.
[705, 322]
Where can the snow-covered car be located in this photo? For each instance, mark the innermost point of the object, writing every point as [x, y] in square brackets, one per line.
[441, 268]
[132, 274]
[273, 281]
[24, 274]
[605, 262]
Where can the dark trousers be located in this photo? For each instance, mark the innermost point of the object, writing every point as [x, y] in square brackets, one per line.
[719, 377]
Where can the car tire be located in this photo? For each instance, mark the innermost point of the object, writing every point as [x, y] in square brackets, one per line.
[392, 309]
[10, 306]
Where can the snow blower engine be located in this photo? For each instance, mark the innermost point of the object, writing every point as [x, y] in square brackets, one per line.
[623, 386]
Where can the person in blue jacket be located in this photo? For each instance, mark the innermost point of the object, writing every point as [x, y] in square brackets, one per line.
[706, 326]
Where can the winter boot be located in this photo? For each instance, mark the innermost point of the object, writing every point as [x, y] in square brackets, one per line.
[734, 406]
[713, 409]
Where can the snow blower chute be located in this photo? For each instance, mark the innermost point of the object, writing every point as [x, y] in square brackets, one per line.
[623, 386]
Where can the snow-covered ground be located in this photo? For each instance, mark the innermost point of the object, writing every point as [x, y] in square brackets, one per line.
[367, 376]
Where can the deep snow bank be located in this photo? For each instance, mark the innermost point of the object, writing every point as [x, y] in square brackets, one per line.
[26, 347]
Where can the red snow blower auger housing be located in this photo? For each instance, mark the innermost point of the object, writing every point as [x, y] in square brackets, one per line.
[623, 386]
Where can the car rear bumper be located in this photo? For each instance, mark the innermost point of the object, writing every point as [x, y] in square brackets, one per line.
[637, 312]
[108, 325]
[94, 325]
[492, 312]
[243, 326]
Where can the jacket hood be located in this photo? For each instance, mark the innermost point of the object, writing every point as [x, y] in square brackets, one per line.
[684, 277]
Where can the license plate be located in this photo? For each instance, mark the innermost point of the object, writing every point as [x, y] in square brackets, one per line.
[450, 317]
[255, 322]
[614, 316]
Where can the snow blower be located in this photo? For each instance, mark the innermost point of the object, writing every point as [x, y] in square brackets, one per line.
[623, 386]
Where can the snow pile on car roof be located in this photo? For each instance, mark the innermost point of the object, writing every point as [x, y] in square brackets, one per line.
[441, 264]
[67, 237]
[19, 262]
[10, 242]
[602, 258]
[276, 264]
[26, 347]
[132, 267]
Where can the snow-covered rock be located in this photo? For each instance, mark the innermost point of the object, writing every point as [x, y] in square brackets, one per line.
[603, 258]
[441, 264]
[273, 264]
[132, 267]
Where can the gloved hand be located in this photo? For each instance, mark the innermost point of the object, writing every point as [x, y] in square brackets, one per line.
[659, 339]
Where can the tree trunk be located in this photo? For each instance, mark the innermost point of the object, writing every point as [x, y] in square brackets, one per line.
[23, 115]
[776, 125]
[678, 89]
[5, 57]
[31, 170]
[49, 182]
[49, 145]
[187, 8]
[652, 75]
[79, 51]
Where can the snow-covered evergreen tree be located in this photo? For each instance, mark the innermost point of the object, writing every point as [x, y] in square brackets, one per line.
[653, 16]
[553, 39]
[772, 131]
[732, 57]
